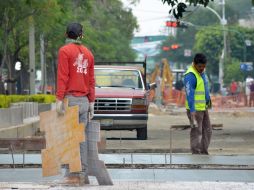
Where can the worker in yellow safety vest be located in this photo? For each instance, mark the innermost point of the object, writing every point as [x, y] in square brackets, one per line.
[197, 103]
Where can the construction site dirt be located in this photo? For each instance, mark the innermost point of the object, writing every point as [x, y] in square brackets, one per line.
[233, 133]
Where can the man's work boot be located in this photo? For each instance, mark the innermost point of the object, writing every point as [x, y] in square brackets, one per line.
[204, 152]
[195, 152]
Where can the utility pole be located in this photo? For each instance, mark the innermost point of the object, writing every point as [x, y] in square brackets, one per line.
[223, 23]
[31, 56]
[43, 64]
[224, 51]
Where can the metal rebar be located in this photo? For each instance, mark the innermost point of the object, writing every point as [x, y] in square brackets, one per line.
[23, 159]
[171, 130]
[120, 142]
[123, 162]
[11, 147]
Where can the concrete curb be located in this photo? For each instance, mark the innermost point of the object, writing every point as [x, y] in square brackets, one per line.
[29, 128]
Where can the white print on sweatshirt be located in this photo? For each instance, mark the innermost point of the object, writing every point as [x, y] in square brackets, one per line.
[81, 64]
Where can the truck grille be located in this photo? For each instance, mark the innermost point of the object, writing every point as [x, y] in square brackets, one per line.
[112, 104]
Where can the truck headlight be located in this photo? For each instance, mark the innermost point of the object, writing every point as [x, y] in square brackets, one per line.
[139, 103]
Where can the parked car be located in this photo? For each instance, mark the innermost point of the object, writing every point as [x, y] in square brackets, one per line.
[122, 97]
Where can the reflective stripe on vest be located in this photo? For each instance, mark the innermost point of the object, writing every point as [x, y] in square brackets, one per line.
[199, 96]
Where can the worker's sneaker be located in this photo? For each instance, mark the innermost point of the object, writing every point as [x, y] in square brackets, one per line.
[72, 181]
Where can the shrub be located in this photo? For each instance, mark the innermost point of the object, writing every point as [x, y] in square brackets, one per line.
[6, 100]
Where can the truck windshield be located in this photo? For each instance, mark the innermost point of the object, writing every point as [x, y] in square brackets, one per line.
[118, 78]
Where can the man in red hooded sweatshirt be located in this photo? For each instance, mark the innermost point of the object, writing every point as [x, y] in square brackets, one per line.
[75, 81]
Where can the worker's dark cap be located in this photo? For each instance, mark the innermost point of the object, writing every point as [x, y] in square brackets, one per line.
[74, 30]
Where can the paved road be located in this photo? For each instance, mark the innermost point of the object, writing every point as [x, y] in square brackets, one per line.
[236, 136]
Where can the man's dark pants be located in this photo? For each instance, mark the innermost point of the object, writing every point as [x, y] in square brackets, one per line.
[200, 136]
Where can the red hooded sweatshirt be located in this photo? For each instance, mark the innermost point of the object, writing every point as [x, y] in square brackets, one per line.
[75, 73]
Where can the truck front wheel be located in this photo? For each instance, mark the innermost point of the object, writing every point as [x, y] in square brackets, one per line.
[142, 133]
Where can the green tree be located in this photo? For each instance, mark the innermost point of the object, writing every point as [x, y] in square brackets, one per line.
[197, 18]
[179, 7]
[210, 43]
[186, 36]
[237, 37]
[233, 72]
[14, 29]
[108, 30]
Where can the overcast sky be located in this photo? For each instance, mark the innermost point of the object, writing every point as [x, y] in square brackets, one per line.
[151, 16]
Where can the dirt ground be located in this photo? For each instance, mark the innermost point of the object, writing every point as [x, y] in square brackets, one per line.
[235, 137]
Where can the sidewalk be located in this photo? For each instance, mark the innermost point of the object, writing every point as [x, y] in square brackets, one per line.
[148, 158]
[161, 178]
[128, 185]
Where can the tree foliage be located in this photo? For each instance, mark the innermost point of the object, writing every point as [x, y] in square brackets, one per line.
[210, 42]
[15, 16]
[233, 72]
[205, 34]
[108, 30]
[177, 7]
[186, 37]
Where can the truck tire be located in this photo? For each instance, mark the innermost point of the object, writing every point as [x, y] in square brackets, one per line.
[142, 133]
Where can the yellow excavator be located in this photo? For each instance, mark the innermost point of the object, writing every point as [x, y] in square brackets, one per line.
[163, 71]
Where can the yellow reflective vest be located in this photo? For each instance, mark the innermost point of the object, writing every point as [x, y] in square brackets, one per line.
[199, 96]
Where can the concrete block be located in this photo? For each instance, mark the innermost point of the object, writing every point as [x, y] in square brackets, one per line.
[10, 132]
[4, 118]
[96, 167]
[10, 117]
[16, 116]
[20, 131]
[28, 130]
[30, 109]
[44, 107]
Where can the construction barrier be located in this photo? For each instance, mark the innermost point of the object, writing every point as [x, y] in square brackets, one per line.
[232, 101]
[177, 98]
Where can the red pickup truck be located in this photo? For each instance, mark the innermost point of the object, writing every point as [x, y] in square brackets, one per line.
[122, 97]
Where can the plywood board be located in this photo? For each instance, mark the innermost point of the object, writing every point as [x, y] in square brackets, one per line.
[63, 136]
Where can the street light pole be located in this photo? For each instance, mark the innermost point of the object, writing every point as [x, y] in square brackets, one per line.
[223, 22]
[43, 70]
[31, 56]
[224, 51]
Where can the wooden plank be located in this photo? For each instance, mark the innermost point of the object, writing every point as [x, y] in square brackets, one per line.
[23, 144]
[63, 136]
[187, 126]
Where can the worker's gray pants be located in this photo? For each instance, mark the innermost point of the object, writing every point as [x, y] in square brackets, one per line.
[83, 104]
[200, 136]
